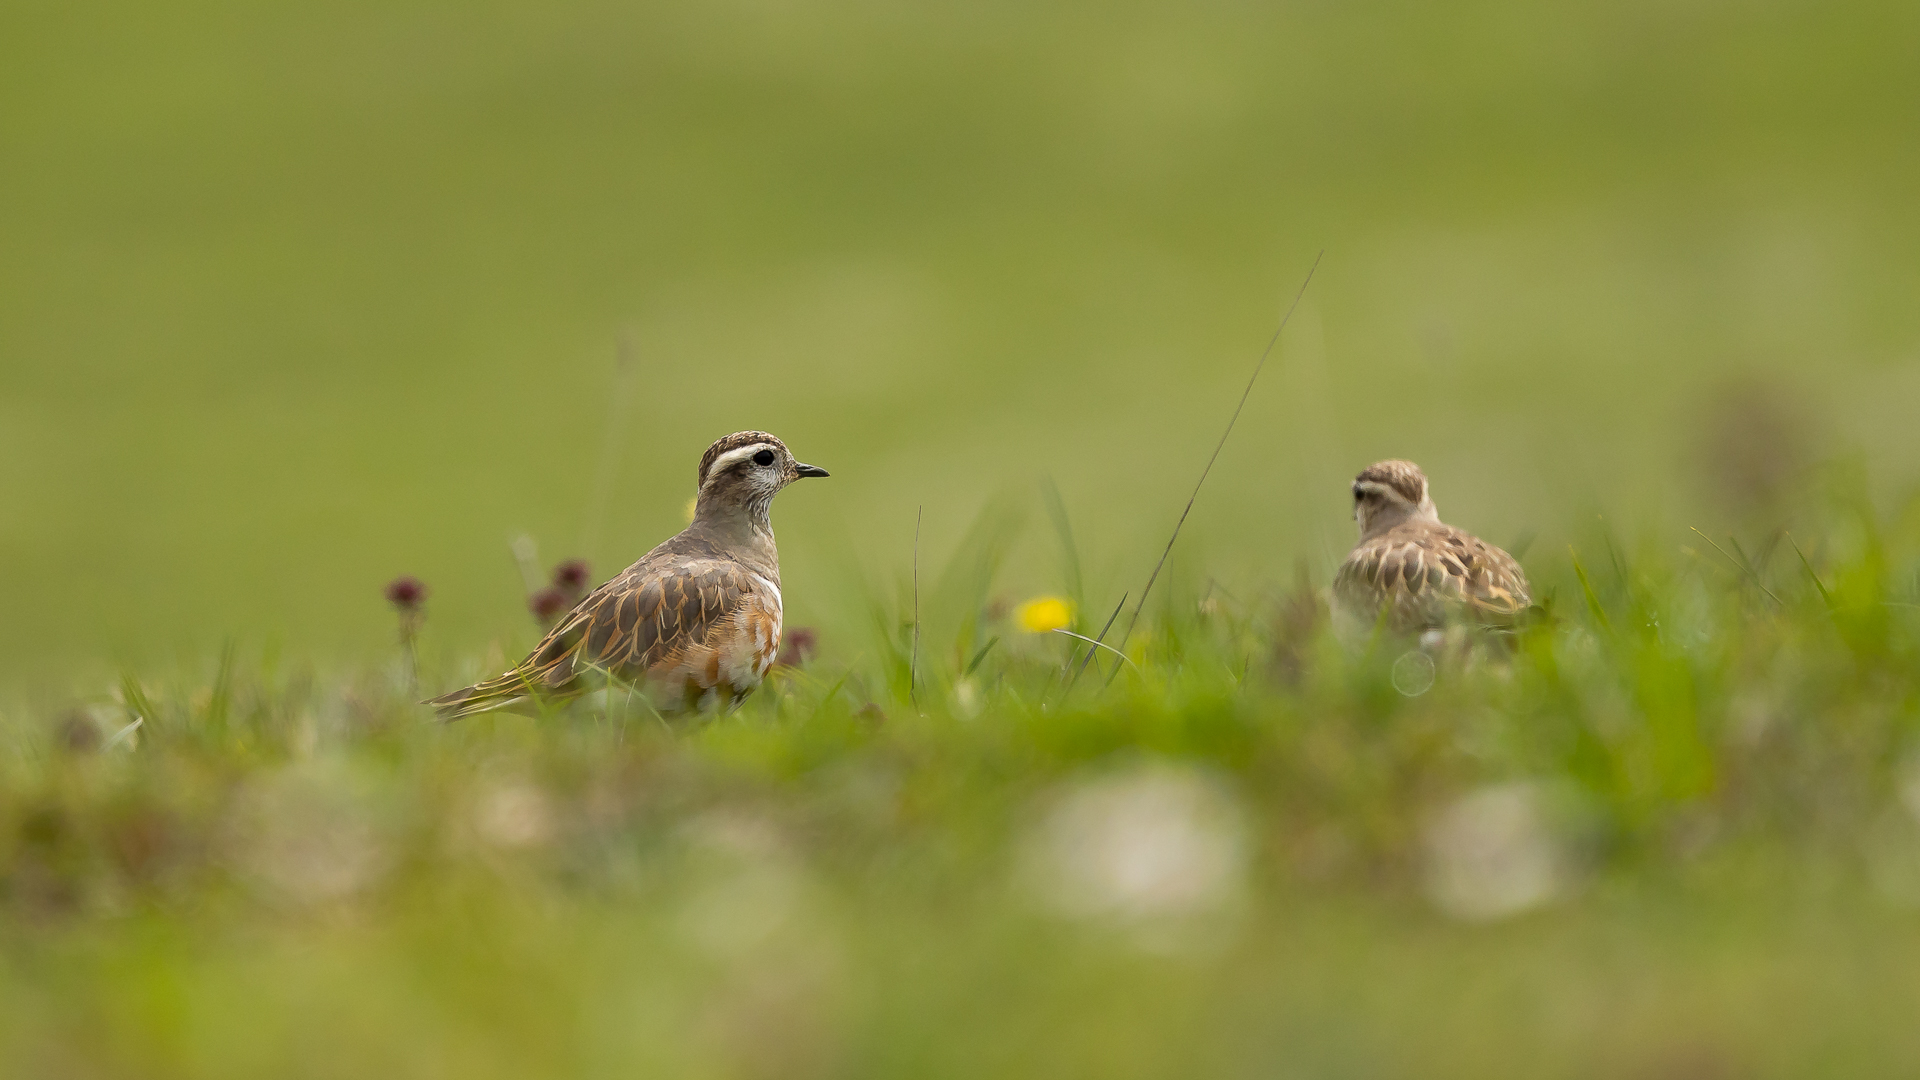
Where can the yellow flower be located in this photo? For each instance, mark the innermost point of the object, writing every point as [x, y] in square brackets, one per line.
[1043, 614]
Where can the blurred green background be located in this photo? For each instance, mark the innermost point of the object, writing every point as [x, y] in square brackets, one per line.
[296, 298]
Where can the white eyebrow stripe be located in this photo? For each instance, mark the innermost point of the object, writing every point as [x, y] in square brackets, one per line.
[738, 454]
[1379, 488]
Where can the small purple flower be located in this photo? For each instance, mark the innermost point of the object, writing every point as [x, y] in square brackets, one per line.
[548, 604]
[797, 646]
[571, 578]
[406, 593]
[408, 596]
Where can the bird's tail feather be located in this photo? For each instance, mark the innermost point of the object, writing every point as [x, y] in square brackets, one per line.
[508, 691]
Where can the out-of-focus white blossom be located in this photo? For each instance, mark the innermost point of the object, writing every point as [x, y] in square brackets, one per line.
[967, 699]
[514, 814]
[309, 833]
[1492, 853]
[1150, 843]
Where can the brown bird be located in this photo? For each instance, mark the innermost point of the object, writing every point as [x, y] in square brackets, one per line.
[1414, 572]
[697, 619]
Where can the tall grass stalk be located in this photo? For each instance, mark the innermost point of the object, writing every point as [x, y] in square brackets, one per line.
[1215, 456]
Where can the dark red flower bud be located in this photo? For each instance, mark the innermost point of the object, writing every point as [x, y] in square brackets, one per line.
[548, 604]
[406, 593]
[571, 577]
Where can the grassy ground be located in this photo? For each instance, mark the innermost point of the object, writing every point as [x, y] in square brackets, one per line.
[1673, 832]
[297, 298]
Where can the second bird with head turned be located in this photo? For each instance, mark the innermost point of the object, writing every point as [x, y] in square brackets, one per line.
[1411, 572]
[697, 619]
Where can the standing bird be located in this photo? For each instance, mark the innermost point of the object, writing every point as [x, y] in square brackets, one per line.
[1414, 572]
[697, 619]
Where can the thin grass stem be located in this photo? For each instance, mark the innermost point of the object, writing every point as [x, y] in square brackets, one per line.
[1098, 645]
[1825, 598]
[913, 654]
[1102, 638]
[1215, 456]
[1738, 565]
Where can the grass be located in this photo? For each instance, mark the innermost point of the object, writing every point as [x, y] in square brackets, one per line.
[296, 298]
[1670, 832]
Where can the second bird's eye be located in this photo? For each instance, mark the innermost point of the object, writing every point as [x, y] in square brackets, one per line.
[764, 457]
[1358, 494]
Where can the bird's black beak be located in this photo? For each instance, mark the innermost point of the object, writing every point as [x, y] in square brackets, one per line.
[810, 470]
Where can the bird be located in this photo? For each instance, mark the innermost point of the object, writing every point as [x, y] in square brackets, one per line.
[697, 619]
[1412, 573]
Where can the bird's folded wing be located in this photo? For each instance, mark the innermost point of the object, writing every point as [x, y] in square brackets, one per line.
[1409, 569]
[642, 619]
[1496, 584]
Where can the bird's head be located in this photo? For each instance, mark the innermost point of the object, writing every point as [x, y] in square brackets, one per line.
[743, 472]
[1388, 493]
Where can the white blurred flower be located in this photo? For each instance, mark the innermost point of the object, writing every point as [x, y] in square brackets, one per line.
[310, 833]
[1152, 843]
[514, 814]
[967, 698]
[1491, 854]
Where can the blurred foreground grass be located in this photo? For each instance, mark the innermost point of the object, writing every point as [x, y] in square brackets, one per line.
[1674, 833]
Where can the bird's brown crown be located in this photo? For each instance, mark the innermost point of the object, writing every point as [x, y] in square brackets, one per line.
[1404, 477]
[734, 442]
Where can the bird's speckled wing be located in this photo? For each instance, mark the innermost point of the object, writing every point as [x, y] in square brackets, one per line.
[645, 621]
[1423, 574]
[684, 619]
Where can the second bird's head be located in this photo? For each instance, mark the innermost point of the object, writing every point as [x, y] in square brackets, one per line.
[745, 470]
[1388, 493]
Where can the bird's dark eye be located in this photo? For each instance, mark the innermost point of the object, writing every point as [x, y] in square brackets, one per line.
[764, 457]
[1358, 493]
